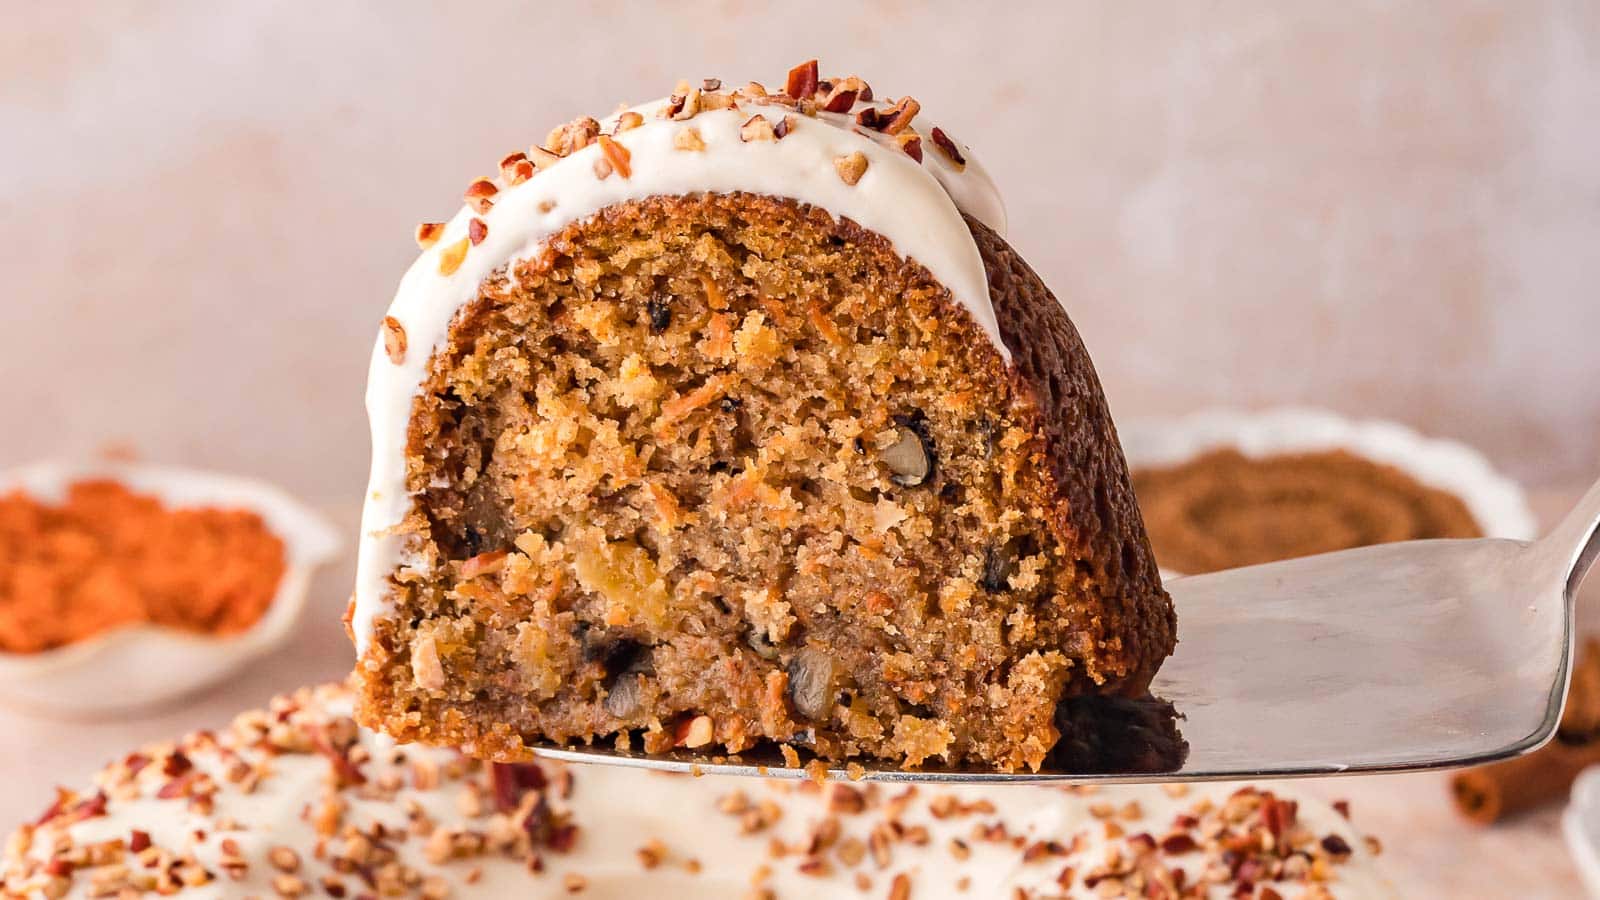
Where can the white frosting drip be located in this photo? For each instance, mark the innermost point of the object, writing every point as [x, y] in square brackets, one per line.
[917, 207]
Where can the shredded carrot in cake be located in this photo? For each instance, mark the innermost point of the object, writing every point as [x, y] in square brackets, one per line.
[108, 557]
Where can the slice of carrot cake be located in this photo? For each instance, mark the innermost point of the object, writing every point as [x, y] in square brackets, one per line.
[733, 420]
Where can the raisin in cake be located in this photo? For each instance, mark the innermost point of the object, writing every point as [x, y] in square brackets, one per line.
[733, 420]
[297, 801]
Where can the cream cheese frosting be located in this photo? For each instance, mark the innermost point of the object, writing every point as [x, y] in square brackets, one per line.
[917, 205]
[295, 800]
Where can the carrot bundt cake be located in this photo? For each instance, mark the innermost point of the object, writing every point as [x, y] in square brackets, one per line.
[732, 420]
[297, 801]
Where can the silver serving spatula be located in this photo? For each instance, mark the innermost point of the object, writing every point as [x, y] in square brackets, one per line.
[1398, 657]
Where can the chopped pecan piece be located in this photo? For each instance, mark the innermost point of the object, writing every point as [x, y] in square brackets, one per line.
[394, 340]
[802, 82]
[757, 128]
[428, 234]
[451, 257]
[617, 155]
[851, 167]
[948, 147]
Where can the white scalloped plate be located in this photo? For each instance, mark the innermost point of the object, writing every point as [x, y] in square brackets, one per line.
[1495, 501]
[142, 665]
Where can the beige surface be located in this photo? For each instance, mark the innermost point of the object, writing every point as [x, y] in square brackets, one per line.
[207, 205]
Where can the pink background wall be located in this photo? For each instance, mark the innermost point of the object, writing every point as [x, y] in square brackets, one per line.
[205, 207]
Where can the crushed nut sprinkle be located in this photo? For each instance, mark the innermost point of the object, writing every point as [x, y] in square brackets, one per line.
[840, 101]
[688, 138]
[428, 234]
[541, 158]
[802, 81]
[509, 164]
[757, 128]
[804, 92]
[480, 195]
[1241, 844]
[617, 155]
[911, 143]
[451, 257]
[571, 137]
[851, 167]
[652, 854]
[347, 851]
[477, 230]
[947, 147]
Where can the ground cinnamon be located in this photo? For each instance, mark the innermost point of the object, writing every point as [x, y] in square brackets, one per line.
[1224, 509]
[107, 557]
[1488, 794]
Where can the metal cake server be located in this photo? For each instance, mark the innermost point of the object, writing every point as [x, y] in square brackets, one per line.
[1392, 658]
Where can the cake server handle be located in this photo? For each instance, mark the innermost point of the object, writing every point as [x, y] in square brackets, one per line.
[1578, 534]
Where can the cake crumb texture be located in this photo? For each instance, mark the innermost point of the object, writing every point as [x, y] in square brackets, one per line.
[720, 471]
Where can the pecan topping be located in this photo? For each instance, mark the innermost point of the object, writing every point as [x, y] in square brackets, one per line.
[684, 106]
[713, 101]
[802, 81]
[428, 234]
[948, 147]
[451, 257]
[394, 340]
[508, 165]
[541, 158]
[839, 101]
[572, 137]
[757, 128]
[480, 195]
[688, 138]
[898, 117]
[520, 172]
[617, 155]
[477, 230]
[911, 143]
[892, 120]
[852, 167]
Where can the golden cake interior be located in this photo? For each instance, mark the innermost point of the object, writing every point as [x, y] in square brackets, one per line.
[722, 470]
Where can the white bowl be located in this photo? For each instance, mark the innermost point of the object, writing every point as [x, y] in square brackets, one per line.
[1580, 824]
[141, 665]
[1496, 502]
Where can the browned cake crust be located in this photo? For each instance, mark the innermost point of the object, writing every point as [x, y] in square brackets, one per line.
[764, 538]
[1085, 457]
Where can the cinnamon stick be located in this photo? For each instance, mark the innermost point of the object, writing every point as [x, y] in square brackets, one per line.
[1491, 793]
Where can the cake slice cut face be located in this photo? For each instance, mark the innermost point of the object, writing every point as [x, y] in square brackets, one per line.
[741, 429]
